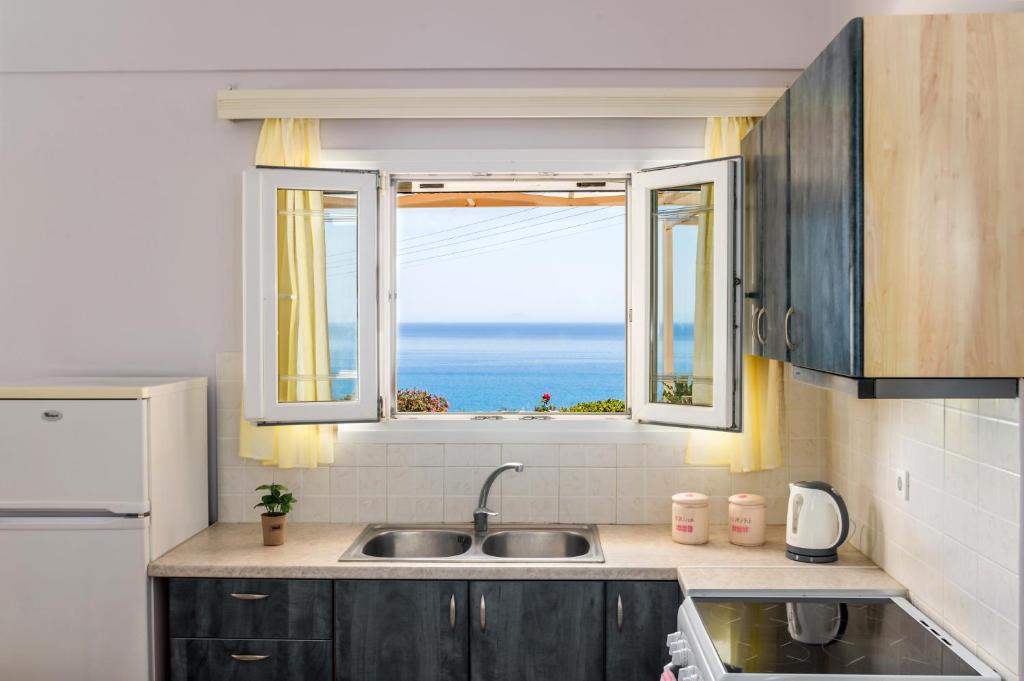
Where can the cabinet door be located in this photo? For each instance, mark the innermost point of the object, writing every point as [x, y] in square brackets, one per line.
[753, 273]
[384, 630]
[826, 230]
[536, 631]
[775, 181]
[638, 616]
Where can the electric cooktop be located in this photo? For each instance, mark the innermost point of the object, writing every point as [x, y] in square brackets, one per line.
[860, 636]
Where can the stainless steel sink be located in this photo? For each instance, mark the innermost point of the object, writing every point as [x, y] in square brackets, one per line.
[418, 544]
[459, 543]
[535, 544]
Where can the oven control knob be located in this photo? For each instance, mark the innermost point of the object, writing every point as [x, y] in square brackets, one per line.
[680, 652]
[689, 673]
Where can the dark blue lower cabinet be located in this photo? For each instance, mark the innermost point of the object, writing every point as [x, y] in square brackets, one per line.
[638, 616]
[385, 630]
[536, 631]
[378, 630]
[208, 659]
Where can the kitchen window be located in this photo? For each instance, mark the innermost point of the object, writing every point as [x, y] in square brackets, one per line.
[518, 297]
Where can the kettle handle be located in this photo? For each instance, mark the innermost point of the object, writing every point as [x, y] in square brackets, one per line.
[844, 517]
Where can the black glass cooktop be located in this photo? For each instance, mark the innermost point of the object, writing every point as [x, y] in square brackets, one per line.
[808, 636]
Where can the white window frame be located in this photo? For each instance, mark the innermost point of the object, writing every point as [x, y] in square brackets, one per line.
[578, 164]
[260, 298]
[726, 396]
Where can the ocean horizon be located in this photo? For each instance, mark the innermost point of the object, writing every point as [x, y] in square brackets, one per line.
[507, 366]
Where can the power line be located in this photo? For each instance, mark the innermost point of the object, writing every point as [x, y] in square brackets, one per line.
[458, 257]
[472, 236]
[464, 238]
[470, 224]
[521, 238]
[522, 241]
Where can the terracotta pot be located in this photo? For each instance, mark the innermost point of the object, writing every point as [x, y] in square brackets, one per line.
[273, 528]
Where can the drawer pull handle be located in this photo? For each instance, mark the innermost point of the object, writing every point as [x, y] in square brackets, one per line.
[250, 597]
[249, 658]
[483, 613]
[618, 613]
[451, 612]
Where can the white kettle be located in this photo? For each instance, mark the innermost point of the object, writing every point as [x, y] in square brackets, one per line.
[817, 522]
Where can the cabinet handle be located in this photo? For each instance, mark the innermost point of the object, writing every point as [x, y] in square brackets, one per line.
[618, 613]
[250, 597]
[790, 345]
[757, 324]
[451, 613]
[483, 613]
[249, 658]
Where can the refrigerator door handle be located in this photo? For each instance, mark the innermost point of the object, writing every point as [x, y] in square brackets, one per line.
[74, 523]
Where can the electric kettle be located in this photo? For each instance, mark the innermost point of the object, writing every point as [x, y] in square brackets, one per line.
[817, 522]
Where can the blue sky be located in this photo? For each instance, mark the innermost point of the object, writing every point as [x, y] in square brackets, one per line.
[515, 265]
[504, 265]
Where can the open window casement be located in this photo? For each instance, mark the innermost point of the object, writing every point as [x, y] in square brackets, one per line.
[684, 295]
[310, 296]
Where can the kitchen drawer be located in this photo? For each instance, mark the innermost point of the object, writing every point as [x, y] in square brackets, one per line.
[250, 608]
[197, 659]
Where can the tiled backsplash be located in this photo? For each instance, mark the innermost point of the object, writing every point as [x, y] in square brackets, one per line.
[954, 544]
[439, 482]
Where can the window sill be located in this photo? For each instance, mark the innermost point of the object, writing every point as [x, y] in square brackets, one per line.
[586, 430]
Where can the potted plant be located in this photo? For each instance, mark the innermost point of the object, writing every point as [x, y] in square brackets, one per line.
[278, 502]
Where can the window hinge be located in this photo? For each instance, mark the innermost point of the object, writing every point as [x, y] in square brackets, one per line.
[629, 315]
[380, 407]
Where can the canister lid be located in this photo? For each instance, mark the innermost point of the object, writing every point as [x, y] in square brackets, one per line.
[690, 499]
[744, 499]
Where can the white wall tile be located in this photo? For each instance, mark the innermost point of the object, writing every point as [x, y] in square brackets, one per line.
[531, 456]
[415, 455]
[631, 456]
[472, 455]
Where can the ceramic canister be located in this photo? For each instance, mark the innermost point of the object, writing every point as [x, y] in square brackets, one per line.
[746, 519]
[690, 518]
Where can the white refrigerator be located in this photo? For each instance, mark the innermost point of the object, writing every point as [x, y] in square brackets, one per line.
[97, 478]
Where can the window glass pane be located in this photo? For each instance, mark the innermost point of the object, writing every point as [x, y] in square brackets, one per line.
[511, 302]
[317, 339]
[681, 225]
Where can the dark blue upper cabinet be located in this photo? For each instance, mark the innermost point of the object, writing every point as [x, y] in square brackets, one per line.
[822, 325]
[775, 209]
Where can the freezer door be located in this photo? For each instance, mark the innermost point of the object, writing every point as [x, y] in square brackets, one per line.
[76, 599]
[74, 454]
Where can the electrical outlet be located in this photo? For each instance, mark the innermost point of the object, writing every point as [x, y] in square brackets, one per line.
[903, 484]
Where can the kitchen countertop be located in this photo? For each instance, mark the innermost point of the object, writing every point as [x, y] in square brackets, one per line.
[632, 552]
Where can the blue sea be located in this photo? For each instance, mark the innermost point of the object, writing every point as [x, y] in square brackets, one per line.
[507, 367]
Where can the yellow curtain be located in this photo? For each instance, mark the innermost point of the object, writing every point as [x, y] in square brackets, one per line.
[303, 348]
[759, 446]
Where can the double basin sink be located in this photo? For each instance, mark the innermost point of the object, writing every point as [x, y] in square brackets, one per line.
[458, 543]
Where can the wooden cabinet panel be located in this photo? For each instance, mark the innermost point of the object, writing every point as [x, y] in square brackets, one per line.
[255, 660]
[389, 629]
[536, 631]
[250, 608]
[638, 616]
[775, 227]
[943, 211]
[753, 291]
[826, 216]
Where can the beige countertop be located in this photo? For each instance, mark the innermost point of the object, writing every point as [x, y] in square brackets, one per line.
[640, 552]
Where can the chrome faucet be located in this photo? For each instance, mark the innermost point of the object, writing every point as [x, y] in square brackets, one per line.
[482, 513]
